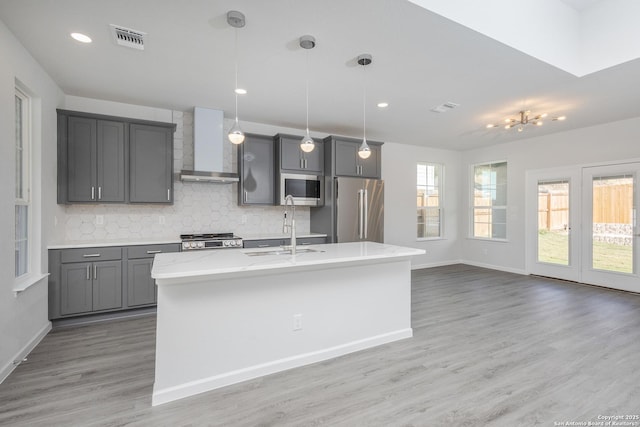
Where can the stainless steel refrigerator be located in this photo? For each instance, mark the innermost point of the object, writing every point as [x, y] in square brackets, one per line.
[353, 211]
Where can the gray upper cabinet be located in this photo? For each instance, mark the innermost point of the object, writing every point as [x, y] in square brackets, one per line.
[256, 170]
[96, 160]
[151, 164]
[292, 159]
[105, 159]
[346, 161]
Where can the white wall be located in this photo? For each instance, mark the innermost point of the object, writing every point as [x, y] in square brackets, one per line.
[400, 228]
[23, 317]
[611, 142]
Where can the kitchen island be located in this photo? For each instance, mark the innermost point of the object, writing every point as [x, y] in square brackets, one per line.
[226, 316]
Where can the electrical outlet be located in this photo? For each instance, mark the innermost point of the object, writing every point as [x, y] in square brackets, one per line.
[485, 251]
[161, 219]
[99, 219]
[243, 219]
[297, 322]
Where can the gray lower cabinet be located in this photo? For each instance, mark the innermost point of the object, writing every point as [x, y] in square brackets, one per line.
[141, 287]
[82, 286]
[150, 164]
[84, 281]
[256, 169]
[292, 159]
[267, 243]
[345, 161]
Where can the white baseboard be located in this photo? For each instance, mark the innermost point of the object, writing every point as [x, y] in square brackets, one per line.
[207, 384]
[495, 267]
[6, 370]
[436, 264]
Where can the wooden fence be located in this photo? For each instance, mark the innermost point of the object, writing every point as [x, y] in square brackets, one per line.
[613, 204]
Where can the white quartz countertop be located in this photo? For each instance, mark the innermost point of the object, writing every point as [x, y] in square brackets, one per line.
[71, 244]
[185, 265]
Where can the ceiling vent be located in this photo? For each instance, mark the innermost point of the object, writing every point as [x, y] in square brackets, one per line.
[443, 108]
[128, 37]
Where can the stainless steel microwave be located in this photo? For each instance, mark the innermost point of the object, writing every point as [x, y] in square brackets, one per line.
[307, 190]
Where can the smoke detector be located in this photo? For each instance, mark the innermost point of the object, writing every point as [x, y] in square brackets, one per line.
[127, 37]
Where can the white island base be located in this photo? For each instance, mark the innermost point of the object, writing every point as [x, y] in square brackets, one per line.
[226, 317]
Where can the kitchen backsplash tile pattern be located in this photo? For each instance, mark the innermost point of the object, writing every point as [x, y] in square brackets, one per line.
[198, 207]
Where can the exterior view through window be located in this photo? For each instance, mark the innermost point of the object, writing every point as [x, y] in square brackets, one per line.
[553, 222]
[490, 201]
[429, 200]
[22, 184]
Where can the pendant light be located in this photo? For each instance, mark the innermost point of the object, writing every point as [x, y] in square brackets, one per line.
[364, 151]
[306, 144]
[236, 20]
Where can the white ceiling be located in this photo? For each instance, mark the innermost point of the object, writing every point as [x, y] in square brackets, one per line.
[420, 60]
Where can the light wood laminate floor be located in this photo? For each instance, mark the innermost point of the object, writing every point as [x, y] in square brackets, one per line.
[489, 349]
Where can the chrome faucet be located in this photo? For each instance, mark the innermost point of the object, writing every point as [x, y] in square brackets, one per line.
[291, 224]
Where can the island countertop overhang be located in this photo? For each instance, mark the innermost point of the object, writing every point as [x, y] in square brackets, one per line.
[172, 268]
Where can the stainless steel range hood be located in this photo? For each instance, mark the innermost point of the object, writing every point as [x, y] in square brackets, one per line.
[208, 147]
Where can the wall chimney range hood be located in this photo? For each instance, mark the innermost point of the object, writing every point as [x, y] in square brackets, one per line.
[208, 148]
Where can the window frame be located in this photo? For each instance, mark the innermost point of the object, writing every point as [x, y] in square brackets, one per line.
[23, 197]
[492, 207]
[439, 208]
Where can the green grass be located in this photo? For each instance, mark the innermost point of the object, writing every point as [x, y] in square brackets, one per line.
[552, 248]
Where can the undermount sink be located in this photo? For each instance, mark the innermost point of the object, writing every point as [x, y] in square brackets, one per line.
[281, 252]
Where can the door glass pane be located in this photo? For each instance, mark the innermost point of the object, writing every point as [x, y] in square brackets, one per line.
[553, 222]
[612, 228]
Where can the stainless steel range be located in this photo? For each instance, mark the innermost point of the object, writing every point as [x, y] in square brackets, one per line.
[192, 242]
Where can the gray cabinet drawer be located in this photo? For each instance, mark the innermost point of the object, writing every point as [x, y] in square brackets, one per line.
[148, 251]
[311, 240]
[264, 243]
[91, 254]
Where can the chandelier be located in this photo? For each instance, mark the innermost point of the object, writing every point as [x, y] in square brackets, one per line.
[526, 118]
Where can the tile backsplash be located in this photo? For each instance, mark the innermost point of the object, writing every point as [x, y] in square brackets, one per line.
[197, 207]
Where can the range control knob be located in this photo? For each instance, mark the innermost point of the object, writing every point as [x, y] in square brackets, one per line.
[201, 244]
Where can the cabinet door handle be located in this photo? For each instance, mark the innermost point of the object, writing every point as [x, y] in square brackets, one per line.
[90, 255]
[93, 193]
[263, 246]
[305, 243]
[168, 194]
[100, 193]
[154, 252]
[88, 272]
[301, 163]
[245, 195]
[306, 163]
[95, 271]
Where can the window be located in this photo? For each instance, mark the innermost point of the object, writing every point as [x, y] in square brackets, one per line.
[490, 201]
[429, 200]
[22, 195]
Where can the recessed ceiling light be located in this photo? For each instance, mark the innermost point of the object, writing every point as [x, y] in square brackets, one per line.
[241, 91]
[82, 38]
[383, 104]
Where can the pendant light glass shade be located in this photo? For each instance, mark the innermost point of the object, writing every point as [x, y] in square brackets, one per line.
[364, 151]
[236, 136]
[306, 143]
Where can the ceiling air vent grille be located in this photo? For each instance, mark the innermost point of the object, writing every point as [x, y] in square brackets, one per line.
[128, 37]
[443, 108]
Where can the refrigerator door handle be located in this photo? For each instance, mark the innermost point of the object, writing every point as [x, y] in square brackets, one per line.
[366, 211]
[360, 213]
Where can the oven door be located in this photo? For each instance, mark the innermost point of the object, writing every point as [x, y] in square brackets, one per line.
[307, 190]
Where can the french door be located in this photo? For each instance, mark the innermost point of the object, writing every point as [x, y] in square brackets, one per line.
[553, 233]
[582, 225]
[610, 235]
